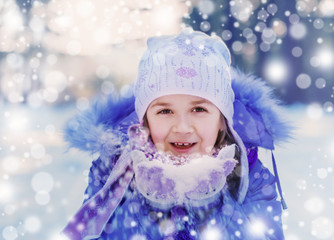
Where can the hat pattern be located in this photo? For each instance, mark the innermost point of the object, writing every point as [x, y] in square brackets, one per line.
[189, 63]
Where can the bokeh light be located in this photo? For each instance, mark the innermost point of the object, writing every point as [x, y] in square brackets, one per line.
[6, 192]
[241, 9]
[276, 71]
[206, 7]
[326, 8]
[42, 181]
[257, 228]
[16, 120]
[301, 184]
[331, 147]
[314, 205]
[9, 233]
[303, 81]
[326, 57]
[314, 111]
[32, 224]
[211, 233]
[42, 197]
[298, 31]
[320, 83]
[10, 209]
[322, 227]
[297, 52]
[328, 106]
[11, 164]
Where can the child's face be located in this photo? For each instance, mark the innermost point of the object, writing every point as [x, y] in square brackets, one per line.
[184, 124]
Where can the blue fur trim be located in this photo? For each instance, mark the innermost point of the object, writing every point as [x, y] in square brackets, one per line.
[102, 128]
[258, 117]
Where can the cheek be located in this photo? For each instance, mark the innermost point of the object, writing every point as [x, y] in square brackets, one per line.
[155, 134]
[158, 134]
[210, 136]
[209, 131]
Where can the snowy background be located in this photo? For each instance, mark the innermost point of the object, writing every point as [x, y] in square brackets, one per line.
[56, 55]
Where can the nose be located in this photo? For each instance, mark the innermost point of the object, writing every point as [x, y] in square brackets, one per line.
[183, 124]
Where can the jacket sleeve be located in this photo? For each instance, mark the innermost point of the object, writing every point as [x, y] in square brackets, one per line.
[261, 205]
[98, 175]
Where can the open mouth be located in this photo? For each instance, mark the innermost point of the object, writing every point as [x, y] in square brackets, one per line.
[182, 146]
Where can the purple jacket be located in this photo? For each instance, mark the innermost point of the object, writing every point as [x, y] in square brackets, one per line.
[103, 129]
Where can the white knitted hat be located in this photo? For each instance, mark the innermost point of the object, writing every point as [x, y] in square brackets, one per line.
[189, 63]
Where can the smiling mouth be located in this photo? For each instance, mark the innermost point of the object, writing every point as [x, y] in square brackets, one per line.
[180, 146]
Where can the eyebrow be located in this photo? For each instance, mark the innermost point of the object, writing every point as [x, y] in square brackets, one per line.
[160, 104]
[201, 102]
[163, 104]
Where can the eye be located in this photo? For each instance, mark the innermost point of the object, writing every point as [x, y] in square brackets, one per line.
[165, 111]
[199, 109]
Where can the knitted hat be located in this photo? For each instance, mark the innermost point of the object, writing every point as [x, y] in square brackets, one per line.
[189, 63]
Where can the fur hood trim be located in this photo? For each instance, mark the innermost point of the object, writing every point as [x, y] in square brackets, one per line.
[103, 127]
[258, 119]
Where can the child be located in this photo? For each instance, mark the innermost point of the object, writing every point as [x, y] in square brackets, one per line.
[179, 159]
